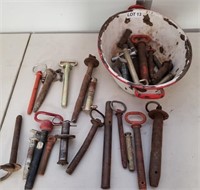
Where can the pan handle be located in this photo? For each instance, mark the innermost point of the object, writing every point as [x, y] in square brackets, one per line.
[159, 93]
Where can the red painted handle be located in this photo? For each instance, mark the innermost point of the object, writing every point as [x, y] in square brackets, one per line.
[47, 125]
[135, 122]
[34, 92]
[136, 7]
[159, 95]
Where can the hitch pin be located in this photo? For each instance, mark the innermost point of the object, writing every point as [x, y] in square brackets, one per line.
[32, 144]
[13, 166]
[50, 77]
[38, 70]
[67, 66]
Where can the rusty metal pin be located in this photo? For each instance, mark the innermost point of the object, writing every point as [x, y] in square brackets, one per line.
[157, 62]
[141, 41]
[90, 95]
[151, 62]
[107, 147]
[67, 66]
[50, 77]
[91, 62]
[130, 154]
[158, 116]
[131, 66]
[124, 38]
[32, 144]
[12, 166]
[167, 78]
[96, 123]
[122, 141]
[136, 125]
[63, 153]
[167, 66]
[46, 154]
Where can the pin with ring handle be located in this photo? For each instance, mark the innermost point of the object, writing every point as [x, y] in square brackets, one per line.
[120, 108]
[136, 125]
[39, 71]
[158, 116]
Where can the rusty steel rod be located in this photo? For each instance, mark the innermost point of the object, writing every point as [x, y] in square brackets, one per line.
[158, 116]
[12, 166]
[107, 148]
[122, 141]
[46, 154]
[96, 123]
[91, 62]
[136, 125]
[50, 76]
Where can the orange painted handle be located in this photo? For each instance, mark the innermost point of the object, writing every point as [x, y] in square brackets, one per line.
[34, 92]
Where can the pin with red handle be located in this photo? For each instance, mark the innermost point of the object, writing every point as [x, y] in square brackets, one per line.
[38, 70]
[136, 125]
[46, 127]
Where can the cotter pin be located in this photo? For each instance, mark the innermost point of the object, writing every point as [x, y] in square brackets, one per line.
[12, 166]
[122, 141]
[136, 125]
[91, 62]
[32, 144]
[158, 115]
[67, 66]
[96, 123]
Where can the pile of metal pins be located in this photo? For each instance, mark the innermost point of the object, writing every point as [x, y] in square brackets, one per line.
[136, 61]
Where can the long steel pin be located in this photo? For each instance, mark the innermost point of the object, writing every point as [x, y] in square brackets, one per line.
[107, 147]
[32, 144]
[136, 125]
[158, 116]
[50, 77]
[91, 62]
[12, 166]
[67, 65]
[122, 141]
[96, 123]
[131, 66]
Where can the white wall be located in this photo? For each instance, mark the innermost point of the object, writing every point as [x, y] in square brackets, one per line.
[84, 15]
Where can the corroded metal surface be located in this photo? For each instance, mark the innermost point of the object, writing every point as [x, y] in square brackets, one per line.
[91, 62]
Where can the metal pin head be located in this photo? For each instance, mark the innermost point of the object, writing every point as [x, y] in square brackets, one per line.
[71, 63]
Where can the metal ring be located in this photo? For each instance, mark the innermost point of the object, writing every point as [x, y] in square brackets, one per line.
[6, 175]
[152, 102]
[42, 68]
[134, 113]
[92, 111]
[118, 102]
